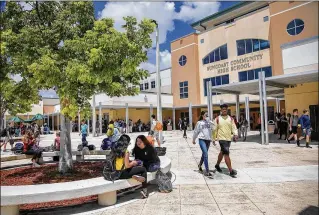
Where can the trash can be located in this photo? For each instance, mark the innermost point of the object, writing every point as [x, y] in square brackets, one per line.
[271, 126]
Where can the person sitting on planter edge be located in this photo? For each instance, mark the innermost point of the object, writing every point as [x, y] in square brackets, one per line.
[145, 152]
[31, 148]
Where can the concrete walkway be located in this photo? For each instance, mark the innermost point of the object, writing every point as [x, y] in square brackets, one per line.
[276, 179]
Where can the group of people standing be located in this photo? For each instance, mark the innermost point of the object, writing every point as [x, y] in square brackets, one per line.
[222, 129]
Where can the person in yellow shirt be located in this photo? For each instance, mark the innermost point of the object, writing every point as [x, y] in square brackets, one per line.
[225, 131]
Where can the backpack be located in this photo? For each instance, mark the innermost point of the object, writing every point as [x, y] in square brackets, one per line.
[18, 148]
[164, 182]
[3, 133]
[106, 144]
[118, 150]
[158, 126]
[91, 147]
[161, 151]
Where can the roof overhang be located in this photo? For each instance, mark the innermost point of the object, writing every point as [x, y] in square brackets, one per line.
[227, 14]
[274, 85]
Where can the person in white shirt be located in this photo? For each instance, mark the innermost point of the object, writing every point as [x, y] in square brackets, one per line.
[155, 131]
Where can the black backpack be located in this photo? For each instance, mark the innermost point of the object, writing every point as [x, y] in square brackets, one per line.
[91, 147]
[118, 150]
[3, 133]
[18, 148]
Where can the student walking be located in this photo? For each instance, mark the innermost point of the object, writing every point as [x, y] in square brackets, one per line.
[84, 131]
[293, 126]
[203, 131]
[180, 124]
[306, 128]
[225, 131]
[156, 127]
[184, 127]
[283, 126]
[243, 126]
[9, 133]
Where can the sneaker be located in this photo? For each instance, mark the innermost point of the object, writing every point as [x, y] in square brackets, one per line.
[144, 193]
[218, 168]
[288, 141]
[307, 146]
[200, 168]
[35, 165]
[298, 143]
[233, 173]
[208, 174]
[138, 178]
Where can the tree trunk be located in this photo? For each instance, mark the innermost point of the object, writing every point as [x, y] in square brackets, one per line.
[65, 162]
[2, 121]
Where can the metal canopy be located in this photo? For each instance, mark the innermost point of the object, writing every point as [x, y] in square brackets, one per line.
[275, 84]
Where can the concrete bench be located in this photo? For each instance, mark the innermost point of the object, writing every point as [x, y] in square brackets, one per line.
[79, 154]
[13, 196]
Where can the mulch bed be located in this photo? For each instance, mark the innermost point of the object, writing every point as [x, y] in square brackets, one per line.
[48, 174]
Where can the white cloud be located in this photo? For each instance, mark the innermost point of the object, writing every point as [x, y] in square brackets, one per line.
[25, 6]
[194, 11]
[165, 59]
[164, 13]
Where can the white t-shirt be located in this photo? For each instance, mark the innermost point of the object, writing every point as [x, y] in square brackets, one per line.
[153, 124]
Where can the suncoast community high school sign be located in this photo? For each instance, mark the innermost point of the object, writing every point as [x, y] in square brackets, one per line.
[235, 65]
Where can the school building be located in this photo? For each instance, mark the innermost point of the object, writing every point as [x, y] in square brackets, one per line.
[231, 47]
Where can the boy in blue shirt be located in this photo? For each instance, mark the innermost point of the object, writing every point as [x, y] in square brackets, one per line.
[84, 131]
[306, 128]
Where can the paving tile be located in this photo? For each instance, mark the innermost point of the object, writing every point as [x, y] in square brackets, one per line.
[235, 197]
[265, 196]
[204, 209]
[197, 198]
[239, 209]
[165, 198]
[225, 188]
[287, 208]
[161, 209]
[196, 188]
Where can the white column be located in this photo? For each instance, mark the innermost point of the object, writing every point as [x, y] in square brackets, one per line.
[174, 122]
[79, 122]
[277, 105]
[190, 116]
[247, 111]
[52, 122]
[100, 118]
[209, 99]
[265, 107]
[221, 102]
[126, 117]
[28, 116]
[58, 121]
[237, 107]
[88, 125]
[93, 117]
[4, 121]
[261, 109]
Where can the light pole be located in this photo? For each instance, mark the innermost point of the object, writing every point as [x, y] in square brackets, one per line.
[159, 99]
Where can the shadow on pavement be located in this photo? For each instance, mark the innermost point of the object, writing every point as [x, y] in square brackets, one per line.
[310, 210]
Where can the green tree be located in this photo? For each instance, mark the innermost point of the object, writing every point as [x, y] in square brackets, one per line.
[62, 45]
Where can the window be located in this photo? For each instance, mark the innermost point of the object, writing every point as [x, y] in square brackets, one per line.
[254, 74]
[202, 41]
[266, 19]
[182, 60]
[183, 90]
[146, 86]
[153, 84]
[295, 27]
[216, 81]
[216, 55]
[141, 87]
[251, 45]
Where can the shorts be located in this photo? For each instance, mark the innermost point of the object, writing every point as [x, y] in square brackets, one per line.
[306, 132]
[224, 146]
[156, 135]
[294, 129]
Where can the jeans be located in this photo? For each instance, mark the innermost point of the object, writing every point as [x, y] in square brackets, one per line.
[204, 146]
[84, 137]
[137, 170]
[184, 135]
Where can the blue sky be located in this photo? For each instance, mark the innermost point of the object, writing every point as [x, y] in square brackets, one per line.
[174, 19]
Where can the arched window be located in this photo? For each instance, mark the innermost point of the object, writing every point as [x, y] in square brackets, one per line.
[251, 45]
[295, 27]
[216, 55]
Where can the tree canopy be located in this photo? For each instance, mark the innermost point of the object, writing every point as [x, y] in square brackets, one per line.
[62, 45]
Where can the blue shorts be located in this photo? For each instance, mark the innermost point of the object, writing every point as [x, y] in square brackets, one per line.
[306, 132]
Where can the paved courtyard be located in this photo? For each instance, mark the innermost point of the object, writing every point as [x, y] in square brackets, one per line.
[276, 179]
